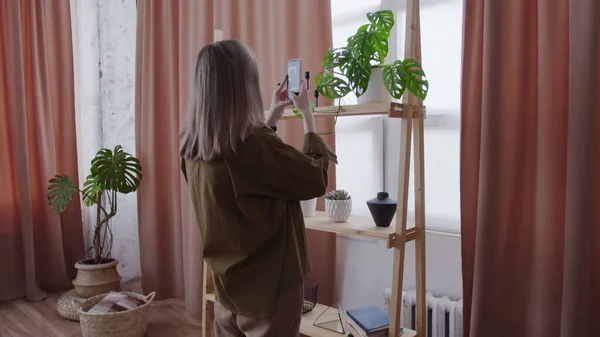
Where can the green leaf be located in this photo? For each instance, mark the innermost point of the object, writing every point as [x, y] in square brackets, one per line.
[366, 43]
[90, 190]
[359, 44]
[382, 20]
[380, 42]
[61, 189]
[297, 113]
[331, 86]
[392, 78]
[359, 74]
[335, 57]
[338, 195]
[414, 78]
[117, 171]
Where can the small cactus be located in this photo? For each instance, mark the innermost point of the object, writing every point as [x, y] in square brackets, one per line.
[338, 195]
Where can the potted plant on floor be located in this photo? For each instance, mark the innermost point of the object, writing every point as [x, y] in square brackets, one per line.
[338, 205]
[360, 67]
[112, 172]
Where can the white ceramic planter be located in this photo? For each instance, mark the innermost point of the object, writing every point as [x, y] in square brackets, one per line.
[309, 207]
[338, 210]
[376, 91]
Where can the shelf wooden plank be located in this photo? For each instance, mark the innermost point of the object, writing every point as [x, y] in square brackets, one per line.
[356, 225]
[390, 109]
[308, 329]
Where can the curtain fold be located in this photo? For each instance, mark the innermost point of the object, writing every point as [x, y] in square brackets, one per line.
[38, 248]
[170, 34]
[530, 167]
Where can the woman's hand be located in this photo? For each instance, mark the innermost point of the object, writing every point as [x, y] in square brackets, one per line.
[302, 103]
[278, 103]
[302, 100]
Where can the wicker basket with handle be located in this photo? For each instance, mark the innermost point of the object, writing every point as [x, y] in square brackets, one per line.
[130, 323]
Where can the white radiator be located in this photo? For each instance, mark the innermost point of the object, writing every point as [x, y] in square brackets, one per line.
[444, 316]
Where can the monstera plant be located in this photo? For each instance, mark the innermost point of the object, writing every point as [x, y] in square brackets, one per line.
[112, 172]
[349, 68]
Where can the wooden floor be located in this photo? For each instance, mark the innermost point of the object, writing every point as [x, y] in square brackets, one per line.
[40, 319]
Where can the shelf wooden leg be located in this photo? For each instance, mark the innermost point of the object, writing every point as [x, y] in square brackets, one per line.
[413, 50]
[205, 327]
[399, 250]
[420, 226]
[207, 309]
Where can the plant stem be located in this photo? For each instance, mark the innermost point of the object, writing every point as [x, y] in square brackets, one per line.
[98, 244]
[110, 205]
[114, 206]
[97, 203]
[97, 229]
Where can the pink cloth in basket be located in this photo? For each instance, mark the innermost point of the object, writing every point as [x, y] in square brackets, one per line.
[116, 302]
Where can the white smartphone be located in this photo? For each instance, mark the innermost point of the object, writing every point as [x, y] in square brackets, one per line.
[294, 71]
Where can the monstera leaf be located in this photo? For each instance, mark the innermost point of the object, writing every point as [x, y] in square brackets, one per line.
[382, 20]
[90, 190]
[393, 80]
[366, 43]
[414, 77]
[60, 192]
[358, 73]
[331, 86]
[407, 74]
[116, 170]
[335, 57]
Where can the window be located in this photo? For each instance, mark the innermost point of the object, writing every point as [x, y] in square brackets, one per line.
[441, 46]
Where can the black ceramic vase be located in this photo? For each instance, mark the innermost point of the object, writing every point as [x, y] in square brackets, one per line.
[382, 209]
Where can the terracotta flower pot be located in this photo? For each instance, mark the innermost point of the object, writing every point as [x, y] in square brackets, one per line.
[94, 279]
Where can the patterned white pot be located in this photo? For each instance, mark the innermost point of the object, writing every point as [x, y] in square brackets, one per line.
[338, 210]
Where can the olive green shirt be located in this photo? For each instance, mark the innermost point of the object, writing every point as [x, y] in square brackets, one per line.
[247, 206]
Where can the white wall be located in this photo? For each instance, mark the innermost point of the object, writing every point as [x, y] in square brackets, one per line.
[117, 25]
[88, 108]
[104, 40]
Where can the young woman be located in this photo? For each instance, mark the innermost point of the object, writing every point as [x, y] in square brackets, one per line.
[246, 186]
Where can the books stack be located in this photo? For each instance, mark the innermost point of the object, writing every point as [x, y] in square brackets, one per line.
[368, 321]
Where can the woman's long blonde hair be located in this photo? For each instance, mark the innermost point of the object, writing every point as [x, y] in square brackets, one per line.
[226, 101]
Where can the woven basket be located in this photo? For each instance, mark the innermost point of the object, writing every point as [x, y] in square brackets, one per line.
[309, 294]
[68, 304]
[130, 323]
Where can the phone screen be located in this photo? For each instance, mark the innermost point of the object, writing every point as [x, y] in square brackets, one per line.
[294, 75]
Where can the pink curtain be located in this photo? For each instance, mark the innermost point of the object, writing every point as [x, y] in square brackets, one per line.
[170, 34]
[530, 168]
[38, 248]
